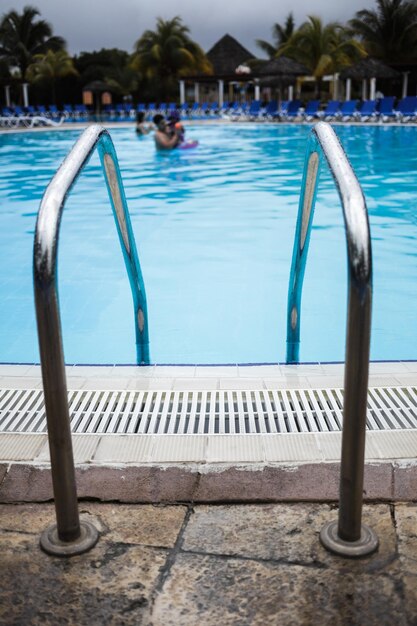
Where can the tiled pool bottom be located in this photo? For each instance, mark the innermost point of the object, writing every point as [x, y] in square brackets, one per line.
[208, 466]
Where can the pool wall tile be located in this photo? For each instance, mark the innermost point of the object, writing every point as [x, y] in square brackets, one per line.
[124, 449]
[236, 449]
[241, 383]
[21, 447]
[84, 447]
[179, 448]
[325, 382]
[174, 371]
[150, 383]
[291, 447]
[259, 371]
[195, 384]
[219, 371]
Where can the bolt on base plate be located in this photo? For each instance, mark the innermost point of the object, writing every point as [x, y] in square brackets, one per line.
[52, 544]
[367, 544]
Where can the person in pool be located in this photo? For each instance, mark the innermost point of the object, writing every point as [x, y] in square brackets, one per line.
[141, 127]
[165, 137]
[176, 126]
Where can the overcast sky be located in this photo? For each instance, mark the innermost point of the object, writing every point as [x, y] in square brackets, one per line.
[93, 24]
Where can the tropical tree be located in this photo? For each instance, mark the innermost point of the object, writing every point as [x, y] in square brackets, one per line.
[123, 81]
[99, 64]
[49, 68]
[167, 53]
[323, 48]
[22, 36]
[280, 34]
[389, 32]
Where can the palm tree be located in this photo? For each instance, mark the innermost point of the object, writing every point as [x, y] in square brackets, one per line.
[49, 67]
[167, 53]
[322, 48]
[390, 32]
[122, 80]
[280, 35]
[23, 36]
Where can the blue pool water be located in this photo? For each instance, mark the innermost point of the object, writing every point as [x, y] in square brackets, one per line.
[214, 228]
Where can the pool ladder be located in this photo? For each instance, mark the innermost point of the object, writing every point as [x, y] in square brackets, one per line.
[348, 536]
[69, 536]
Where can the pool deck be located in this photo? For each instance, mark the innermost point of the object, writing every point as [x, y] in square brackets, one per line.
[210, 467]
[208, 565]
[227, 538]
[130, 124]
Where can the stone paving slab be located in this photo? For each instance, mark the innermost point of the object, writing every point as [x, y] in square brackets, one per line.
[228, 565]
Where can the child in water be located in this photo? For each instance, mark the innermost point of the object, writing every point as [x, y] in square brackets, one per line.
[176, 126]
[141, 127]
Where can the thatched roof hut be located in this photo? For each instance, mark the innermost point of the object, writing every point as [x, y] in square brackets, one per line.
[368, 68]
[226, 55]
[282, 66]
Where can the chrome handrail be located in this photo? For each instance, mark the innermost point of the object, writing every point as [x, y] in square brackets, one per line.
[349, 536]
[69, 536]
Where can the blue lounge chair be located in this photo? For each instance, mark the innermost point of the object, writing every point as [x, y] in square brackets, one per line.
[183, 110]
[18, 111]
[203, 110]
[407, 109]
[347, 110]
[213, 109]
[29, 110]
[171, 109]
[129, 110]
[366, 111]
[311, 110]
[234, 108]
[151, 110]
[53, 111]
[243, 110]
[194, 111]
[68, 111]
[331, 110]
[81, 112]
[386, 108]
[292, 111]
[162, 108]
[254, 110]
[224, 110]
[271, 110]
[107, 110]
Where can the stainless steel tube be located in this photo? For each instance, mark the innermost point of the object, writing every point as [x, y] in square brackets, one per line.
[49, 322]
[350, 537]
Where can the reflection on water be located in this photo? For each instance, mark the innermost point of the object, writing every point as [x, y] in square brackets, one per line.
[214, 229]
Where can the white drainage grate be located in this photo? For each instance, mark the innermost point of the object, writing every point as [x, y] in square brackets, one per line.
[191, 412]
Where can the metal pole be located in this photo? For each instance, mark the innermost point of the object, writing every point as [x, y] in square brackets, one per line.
[372, 87]
[364, 88]
[405, 85]
[348, 88]
[348, 536]
[25, 94]
[182, 92]
[221, 93]
[70, 536]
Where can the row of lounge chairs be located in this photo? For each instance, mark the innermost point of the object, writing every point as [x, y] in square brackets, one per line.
[351, 110]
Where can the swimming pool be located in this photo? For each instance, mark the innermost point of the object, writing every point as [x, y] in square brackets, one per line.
[214, 229]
